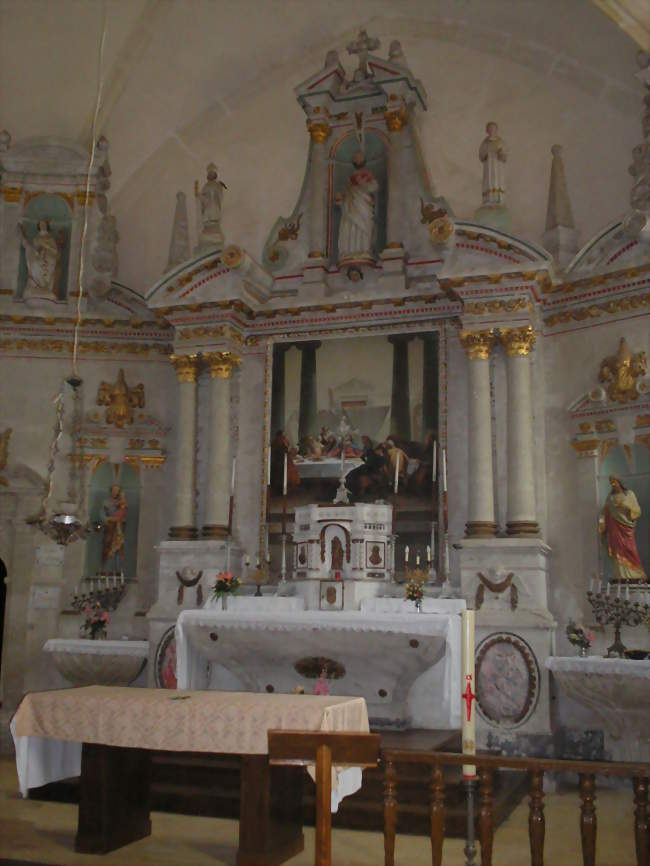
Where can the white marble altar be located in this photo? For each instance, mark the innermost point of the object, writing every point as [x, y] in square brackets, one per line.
[405, 664]
[86, 662]
[617, 694]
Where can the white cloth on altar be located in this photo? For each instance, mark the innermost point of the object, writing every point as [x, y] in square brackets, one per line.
[49, 727]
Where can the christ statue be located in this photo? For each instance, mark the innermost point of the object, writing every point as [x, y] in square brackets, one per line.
[358, 204]
[617, 522]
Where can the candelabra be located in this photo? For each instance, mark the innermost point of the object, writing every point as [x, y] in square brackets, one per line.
[109, 593]
[618, 611]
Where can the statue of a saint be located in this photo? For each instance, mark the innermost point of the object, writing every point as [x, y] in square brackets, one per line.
[209, 210]
[114, 511]
[492, 153]
[42, 255]
[357, 227]
[616, 525]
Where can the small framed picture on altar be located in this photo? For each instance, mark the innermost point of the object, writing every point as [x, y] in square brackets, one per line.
[331, 594]
[375, 555]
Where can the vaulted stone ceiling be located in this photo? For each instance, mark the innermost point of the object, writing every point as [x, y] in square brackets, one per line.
[183, 82]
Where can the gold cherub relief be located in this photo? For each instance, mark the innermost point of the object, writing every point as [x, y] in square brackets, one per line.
[619, 373]
[121, 400]
[4, 452]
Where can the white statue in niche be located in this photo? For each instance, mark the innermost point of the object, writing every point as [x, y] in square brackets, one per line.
[209, 210]
[43, 255]
[358, 204]
[493, 155]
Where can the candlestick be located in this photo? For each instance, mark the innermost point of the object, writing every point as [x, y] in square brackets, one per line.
[232, 477]
[247, 560]
[417, 559]
[396, 482]
[406, 553]
[468, 692]
[444, 470]
[428, 554]
[257, 562]
[284, 476]
[434, 461]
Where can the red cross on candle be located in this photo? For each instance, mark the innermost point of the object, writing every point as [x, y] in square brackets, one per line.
[468, 696]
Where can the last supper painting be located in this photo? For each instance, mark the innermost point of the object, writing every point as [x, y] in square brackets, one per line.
[356, 420]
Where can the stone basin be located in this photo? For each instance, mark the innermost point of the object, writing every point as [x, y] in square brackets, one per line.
[85, 662]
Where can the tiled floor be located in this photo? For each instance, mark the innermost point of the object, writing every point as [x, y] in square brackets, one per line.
[44, 832]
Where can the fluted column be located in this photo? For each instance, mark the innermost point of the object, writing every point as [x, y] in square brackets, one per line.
[395, 121]
[400, 404]
[319, 132]
[217, 503]
[184, 526]
[521, 514]
[480, 499]
[308, 413]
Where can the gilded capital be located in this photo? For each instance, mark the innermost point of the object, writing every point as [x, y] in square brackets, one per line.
[517, 341]
[396, 120]
[221, 364]
[186, 366]
[11, 193]
[319, 130]
[477, 344]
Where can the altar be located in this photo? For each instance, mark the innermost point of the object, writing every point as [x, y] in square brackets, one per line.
[405, 664]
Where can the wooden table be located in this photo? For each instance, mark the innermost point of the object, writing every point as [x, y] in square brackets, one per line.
[120, 727]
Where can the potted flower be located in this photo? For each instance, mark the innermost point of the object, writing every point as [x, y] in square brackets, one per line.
[96, 621]
[225, 585]
[415, 592]
[577, 635]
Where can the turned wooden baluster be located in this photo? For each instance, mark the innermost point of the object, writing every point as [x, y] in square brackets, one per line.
[641, 820]
[437, 814]
[536, 820]
[588, 818]
[485, 816]
[390, 813]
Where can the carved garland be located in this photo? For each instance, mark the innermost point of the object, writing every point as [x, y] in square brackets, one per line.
[189, 582]
[496, 587]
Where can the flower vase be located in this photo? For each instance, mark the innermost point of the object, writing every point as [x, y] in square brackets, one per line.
[224, 602]
[418, 605]
[583, 651]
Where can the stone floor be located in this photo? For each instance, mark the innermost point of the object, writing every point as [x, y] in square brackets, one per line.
[44, 833]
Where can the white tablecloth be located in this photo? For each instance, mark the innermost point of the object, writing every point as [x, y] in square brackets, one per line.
[50, 727]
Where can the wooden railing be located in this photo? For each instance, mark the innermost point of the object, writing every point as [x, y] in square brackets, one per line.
[536, 767]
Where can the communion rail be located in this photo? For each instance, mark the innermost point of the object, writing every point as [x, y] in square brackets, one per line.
[536, 767]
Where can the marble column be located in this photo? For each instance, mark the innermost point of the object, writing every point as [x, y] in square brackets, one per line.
[308, 415]
[430, 343]
[400, 406]
[187, 368]
[319, 132]
[480, 495]
[395, 121]
[218, 492]
[278, 377]
[521, 513]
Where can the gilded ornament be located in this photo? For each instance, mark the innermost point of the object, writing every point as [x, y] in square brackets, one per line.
[186, 366]
[120, 400]
[594, 311]
[513, 305]
[232, 256]
[585, 447]
[66, 196]
[429, 212]
[84, 198]
[11, 194]
[440, 230]
[221, 364]
[642, 421]
[586, 427]
[619, 373]
[517, 341]
[477, 344]
[90, 347]
[605, 426]
[396, 120]
[319, 131]
[5, 436]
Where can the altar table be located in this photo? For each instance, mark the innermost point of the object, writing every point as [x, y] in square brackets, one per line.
[119, 727]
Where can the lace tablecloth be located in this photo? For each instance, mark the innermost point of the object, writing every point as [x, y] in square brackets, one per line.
[49, 727]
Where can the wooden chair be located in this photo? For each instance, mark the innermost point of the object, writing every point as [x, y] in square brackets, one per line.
[324, 750]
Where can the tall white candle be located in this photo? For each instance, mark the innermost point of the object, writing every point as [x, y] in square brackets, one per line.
[428, 553]
[284, 477]
[444, 470]
[434, 461]
[468, 699]
[406, 553]
[396, 472]
[232, 477]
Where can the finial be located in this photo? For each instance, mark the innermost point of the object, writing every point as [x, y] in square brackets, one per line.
[362, 45]
[395, 51]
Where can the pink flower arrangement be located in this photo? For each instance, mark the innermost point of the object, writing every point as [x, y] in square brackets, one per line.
[96, 622]
[226, 584]
[578, 635]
